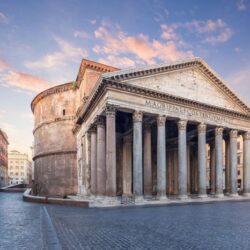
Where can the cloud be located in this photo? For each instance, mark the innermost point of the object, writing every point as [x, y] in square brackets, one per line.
[211, 31]
[93, 21]
[67, 53]
[11, 77]
[117, 61]
[241, 6]
[81, 34]
[3, 18]
[138, 48]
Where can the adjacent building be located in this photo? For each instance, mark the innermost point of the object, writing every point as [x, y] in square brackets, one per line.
[20, 168]
[3, 158]
[142, 132]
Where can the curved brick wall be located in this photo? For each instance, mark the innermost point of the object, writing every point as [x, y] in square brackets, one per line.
[54, 142]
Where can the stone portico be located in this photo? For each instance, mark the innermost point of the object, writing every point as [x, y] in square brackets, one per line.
[144, 133]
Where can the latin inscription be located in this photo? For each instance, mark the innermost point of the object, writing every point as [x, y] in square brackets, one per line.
[171, 108]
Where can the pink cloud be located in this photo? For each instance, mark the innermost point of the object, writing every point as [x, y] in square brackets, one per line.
[10, 77]
[115, 42]
[118, 61]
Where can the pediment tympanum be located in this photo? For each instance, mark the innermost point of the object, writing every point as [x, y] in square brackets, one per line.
[191, 84]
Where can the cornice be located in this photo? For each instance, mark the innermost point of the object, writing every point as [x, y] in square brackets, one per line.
[54, 90]
[61, 152]
[88, 64]
[123, 86]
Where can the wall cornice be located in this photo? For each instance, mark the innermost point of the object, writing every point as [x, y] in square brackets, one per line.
[54, 90]
[61, 152]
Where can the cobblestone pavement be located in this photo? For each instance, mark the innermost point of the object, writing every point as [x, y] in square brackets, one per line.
[207, 226]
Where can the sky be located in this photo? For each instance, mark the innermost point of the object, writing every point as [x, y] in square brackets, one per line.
[42, 44]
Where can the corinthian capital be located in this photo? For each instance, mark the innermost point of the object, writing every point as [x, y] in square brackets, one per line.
[218, 131]
[110, 110]
[182, 124]
[161, 120]
[246, 135]
[202, 128]
[137, 116]
[233, 134]
[100, 120]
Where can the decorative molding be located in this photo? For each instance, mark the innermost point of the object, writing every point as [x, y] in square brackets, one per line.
[218, 131]
[202, 128]
[61, 152]
[246, 136]
[55, 120]
[137, 116]
[161, 120]
[182, 124]
[107, 84]
[233, 134]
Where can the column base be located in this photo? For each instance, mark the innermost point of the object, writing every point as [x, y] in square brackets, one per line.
[112, 200]
[219, 195]
[246, 195]
[139, 199]
[148, 196]
[182, 197]
[202, 196]
[161, 198]
[234, 195]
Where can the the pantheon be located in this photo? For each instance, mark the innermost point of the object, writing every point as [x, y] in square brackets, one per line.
[141, 132]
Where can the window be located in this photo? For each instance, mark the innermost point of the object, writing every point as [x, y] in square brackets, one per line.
[239, 183]
[238, 159]
[238, 145]
[16, 173]
[64, 112]
[208, 153]
[238, 172]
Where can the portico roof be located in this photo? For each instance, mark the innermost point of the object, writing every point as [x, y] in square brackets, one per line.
[119, 78]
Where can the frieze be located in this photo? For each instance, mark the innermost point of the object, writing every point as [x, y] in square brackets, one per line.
[174, 109]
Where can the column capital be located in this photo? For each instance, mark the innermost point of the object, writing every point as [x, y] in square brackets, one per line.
[246, 136]
[233, 134]
[218, 131]
[92, 128]
[182, 124]
[100, 121]
[202, 127]
[128, 138]
[110, 110]
[161, 119]
[137, 116]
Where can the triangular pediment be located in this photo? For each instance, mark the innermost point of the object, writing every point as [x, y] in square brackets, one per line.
[194, 81]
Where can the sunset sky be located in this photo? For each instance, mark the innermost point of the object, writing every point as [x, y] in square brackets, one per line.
[42, 44]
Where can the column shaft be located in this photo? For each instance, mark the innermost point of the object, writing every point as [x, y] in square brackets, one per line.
[202, 160]
[110, 152]
[233, 163]
[212, 168]
[93, 160]
[161, 157]
[147, 161]
[137, 155]
[219, 162]
[127, 165]
[182, 159]
[227, 166]
[101, 157]
[246, 164]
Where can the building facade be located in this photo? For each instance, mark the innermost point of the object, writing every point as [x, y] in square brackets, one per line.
[3, 159]
[20, 168]
[144, 133]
